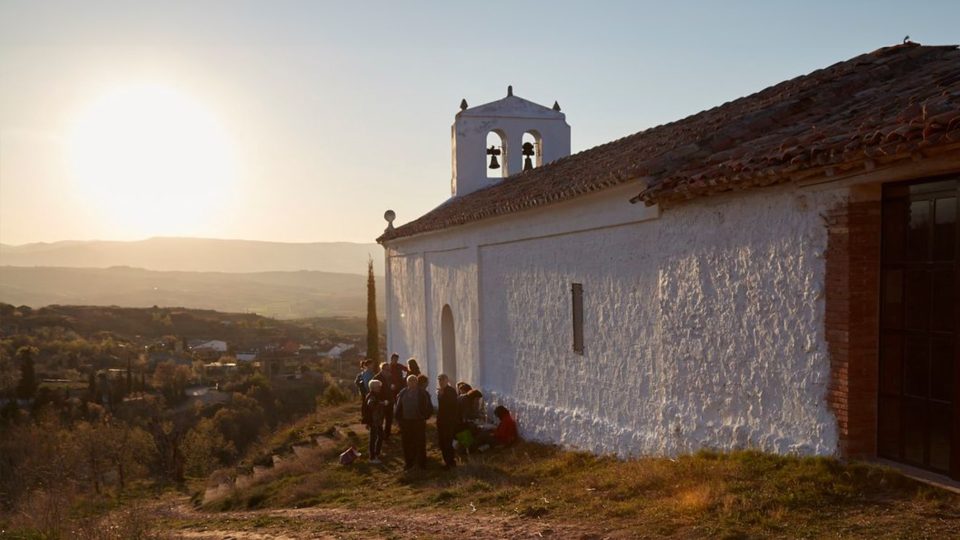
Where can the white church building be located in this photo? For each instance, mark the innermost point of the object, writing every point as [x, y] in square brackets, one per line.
[780, 272]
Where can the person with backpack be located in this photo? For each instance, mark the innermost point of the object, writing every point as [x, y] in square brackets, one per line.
[377, 405]
[412, 410]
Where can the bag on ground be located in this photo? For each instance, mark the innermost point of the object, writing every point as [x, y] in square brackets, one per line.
[349, 456]
[464, 438]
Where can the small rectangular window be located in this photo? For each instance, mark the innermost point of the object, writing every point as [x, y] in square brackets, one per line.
[577, 290]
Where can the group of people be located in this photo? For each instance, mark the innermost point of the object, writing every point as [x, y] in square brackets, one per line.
[398, 392]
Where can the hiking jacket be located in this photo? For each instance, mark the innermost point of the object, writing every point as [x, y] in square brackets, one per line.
[506, 431]
[426, 407]
[375, 411]
[363, 381]
[384, 377]
[448, 408]
[469, 405]
[397, 378]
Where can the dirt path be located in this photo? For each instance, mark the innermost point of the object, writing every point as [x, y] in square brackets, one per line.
[185, 522]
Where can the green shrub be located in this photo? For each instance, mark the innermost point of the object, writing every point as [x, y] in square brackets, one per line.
[334, 395]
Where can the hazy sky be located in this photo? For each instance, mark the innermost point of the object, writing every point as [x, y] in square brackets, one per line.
[304, 121]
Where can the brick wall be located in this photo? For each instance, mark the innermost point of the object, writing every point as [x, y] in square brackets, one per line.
[852, 322]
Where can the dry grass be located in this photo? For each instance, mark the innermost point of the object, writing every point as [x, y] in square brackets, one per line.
[735, 495]
[63, 513]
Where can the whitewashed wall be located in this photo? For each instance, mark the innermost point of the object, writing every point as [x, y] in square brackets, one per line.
[452, 276]
[406, 305]
[703, 325]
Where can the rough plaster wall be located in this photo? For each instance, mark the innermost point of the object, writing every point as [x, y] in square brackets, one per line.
[453, 281]
[741, 323]
[702, 329]
[591, 401]
[407, 311]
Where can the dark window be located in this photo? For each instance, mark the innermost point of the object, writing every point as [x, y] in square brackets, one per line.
[919, 375]
[577, 291]
[944, 228]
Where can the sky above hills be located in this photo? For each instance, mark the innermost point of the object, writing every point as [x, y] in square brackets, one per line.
[199, 255]
[304, 121]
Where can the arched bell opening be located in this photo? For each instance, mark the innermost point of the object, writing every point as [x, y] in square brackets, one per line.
[496, 152]
[531, 147]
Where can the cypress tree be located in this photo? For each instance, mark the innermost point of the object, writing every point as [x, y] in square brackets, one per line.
[27, 387]
[373, 332]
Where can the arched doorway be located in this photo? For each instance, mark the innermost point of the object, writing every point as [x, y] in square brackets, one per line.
[449, 345]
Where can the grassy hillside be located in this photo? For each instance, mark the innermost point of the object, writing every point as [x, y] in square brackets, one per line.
[275, 294]
[199, 255]
[542, 490]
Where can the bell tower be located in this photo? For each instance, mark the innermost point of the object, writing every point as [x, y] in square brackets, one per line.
[497, 140]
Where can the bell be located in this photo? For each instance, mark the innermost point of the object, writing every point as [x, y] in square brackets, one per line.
[493, 152]
[528, 151]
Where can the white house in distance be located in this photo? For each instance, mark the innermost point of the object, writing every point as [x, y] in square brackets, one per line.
[786, 277]
[212, 346]
[337, 350]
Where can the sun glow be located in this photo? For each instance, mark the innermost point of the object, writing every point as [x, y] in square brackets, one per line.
[152, 161]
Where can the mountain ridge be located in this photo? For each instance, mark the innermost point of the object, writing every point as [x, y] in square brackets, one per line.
[280, 294]
[197, 255]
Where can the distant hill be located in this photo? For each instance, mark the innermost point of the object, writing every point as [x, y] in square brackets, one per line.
[275, 294]
[239, 329]
[199, 255]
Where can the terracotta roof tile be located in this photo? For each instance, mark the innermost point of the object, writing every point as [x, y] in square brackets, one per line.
[895, 102]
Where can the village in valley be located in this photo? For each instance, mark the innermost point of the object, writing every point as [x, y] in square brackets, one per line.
[123, 362]
[656, 308]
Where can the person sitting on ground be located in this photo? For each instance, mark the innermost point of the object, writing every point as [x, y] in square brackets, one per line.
[412, 410]
[462, 389]
[506, 432]
[377, 406]
[470, 404]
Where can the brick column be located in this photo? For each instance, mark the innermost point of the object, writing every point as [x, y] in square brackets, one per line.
[852, 322]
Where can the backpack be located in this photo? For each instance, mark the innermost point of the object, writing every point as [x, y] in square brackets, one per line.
[464, 438]
[349, 456]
